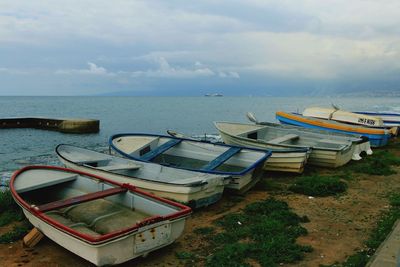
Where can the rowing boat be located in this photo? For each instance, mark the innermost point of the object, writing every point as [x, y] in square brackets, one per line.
[325, 151]
[100, 220]
[191, 188]
[376, 136]
[362, 145]
[244, 165]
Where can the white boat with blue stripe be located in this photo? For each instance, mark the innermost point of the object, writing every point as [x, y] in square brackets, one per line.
[244, 165]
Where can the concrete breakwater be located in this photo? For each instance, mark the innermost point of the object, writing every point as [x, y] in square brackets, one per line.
[55, 124]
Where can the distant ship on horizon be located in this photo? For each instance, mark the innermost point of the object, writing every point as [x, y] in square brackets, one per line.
[214, 94]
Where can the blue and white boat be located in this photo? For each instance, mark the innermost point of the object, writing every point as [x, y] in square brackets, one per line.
[377, 136]
[244, 165]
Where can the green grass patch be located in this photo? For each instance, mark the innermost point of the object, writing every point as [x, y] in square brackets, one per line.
[378, 235]
[184, 255]
[264, 231]
[7, 202]
[17, 233]
[377, 164]
[9, 216]
[9, 210]
[320, 186]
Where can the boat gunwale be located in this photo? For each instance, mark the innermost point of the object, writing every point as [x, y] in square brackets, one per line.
[267, 153]
[182, 213]
[191, 184]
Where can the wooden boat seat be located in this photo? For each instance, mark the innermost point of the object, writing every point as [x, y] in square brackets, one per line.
[115, 167]
[80, 199]
[160, 149]
[218, 161]
[284, 138]
[33, 184]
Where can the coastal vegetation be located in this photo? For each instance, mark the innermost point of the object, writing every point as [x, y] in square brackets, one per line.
[380, 163]
[10, 212]
[318, 185]
[264, 231]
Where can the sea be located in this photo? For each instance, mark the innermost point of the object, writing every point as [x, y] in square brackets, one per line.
[188, 115]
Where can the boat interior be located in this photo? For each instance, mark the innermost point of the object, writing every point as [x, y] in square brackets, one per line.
[194, 155]
[87, 205]
[130, 168]
[293, 138]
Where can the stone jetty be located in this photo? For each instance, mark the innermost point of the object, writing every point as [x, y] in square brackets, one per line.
[64, 125]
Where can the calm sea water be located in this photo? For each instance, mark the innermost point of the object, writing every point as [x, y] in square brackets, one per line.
[190, 115]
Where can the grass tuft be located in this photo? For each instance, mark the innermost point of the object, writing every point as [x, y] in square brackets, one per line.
[184, 255]
[7, 202]
[377, 164]
[264, 231]
[18, 232]
[9, 210]
[319, 186]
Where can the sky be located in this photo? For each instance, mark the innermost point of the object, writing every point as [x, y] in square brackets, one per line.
[168, 48]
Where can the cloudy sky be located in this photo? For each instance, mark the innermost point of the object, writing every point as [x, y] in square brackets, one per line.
[252, 47]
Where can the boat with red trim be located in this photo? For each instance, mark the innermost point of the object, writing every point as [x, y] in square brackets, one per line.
[100, 220]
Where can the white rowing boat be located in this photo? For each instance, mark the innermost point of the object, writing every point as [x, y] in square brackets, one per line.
[188, 187]
[325, 151]
[244, 165]
[362, 144]
[100, 220]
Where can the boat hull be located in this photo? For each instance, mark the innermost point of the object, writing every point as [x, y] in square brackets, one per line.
[390, 119]
[377, 137]
[114, 252]
[286, 161]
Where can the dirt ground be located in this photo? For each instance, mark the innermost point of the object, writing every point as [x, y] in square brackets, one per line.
[338, 225]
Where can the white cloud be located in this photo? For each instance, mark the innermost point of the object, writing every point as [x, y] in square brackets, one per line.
[15, 71]
[229, 74]
[92, 70]
[165, 70]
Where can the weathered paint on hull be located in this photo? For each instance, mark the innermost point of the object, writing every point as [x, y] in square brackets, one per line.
[112, 252]
[330, 159]
[279, 161]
